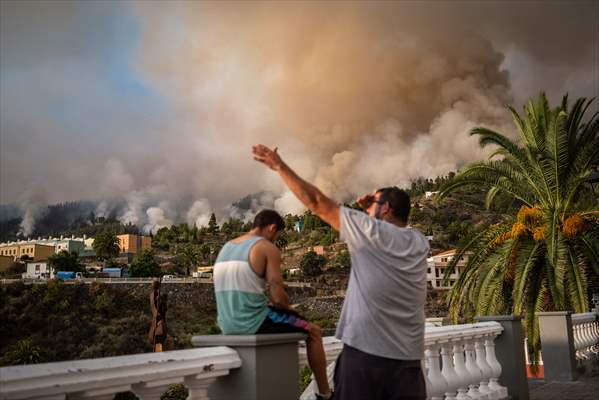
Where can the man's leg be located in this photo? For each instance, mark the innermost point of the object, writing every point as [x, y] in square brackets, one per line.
[357, 377]
[280, 321]
[317, 359]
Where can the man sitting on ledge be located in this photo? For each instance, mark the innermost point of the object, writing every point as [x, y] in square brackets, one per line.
[243, 268]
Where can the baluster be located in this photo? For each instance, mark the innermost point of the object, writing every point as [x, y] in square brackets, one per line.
[99, 394]
[438, 383]
[578, 341]
[595, 330]
[427, 382]
[481, 362]
[583, 340]
[84, 396]
[146, 392]
[198, 388]
[448, 371]
[473, 370]
[460, 370]
[575, 338]
[501, 392]
[587, 338]
[590, 337]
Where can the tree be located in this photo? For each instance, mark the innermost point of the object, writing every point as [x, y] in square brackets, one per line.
[106, 245]
[65, 261]
[311, 263]
[25, 351]
[343, 259]
[283, 240]
[205, 251]
[190, 255]
[145, 265]
[541, 258]
[212, 225]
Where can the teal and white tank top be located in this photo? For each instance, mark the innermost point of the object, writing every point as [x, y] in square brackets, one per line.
[240, 299]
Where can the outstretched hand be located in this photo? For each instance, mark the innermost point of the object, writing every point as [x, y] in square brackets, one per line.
[266, 156]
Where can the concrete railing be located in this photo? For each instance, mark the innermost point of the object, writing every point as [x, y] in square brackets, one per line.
[585, 327]
[460, 362]
[570, 344]
[147, 375]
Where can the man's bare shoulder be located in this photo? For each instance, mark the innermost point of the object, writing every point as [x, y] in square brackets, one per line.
[241, 238]
[267, 247]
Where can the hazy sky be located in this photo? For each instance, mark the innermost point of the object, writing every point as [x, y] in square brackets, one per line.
[157, 104]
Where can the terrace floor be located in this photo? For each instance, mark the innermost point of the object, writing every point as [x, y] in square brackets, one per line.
[585, 388]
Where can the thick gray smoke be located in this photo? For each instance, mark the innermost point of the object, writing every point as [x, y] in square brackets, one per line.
[356, 96]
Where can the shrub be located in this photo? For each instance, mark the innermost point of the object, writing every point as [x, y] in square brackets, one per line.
[311, 263]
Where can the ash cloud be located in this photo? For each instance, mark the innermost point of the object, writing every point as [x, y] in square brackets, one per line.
[356, 96]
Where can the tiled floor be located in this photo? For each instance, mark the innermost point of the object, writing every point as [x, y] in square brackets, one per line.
[586, 388]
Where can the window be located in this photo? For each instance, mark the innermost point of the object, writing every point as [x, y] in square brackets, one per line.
[436, 272]
[428, 271]
[444, 259]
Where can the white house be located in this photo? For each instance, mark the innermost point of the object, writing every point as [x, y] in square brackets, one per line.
[37, 270]
[436, 269]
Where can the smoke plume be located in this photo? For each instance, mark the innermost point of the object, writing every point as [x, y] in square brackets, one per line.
[355, 95]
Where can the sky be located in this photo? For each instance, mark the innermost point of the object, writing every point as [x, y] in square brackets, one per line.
[150, 108]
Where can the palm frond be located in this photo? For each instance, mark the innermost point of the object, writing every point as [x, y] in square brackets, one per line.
[577, 286]
[529, 257]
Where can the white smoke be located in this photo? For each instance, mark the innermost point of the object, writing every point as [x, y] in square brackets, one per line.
[199, 213]
[32, 203]
[356, 95]
[156, 219]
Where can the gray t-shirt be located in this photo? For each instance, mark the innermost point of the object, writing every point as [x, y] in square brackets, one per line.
[383, 312]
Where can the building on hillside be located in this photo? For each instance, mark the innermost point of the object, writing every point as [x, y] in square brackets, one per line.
[5, 263]
[34, 251]
[133, 244]
[436, 269]
[70, 245]
[37, 270]
[318, 250]
[23, 247]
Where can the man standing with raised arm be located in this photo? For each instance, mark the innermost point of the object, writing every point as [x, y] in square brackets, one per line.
[382, 320]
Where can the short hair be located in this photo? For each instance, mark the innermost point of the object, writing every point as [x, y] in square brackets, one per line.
[268, 217]
[399, 201]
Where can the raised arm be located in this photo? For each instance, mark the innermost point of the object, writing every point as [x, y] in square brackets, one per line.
[307, 193]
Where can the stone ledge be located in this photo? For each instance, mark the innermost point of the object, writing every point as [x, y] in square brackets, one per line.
[486, 318]
[247, 340]
[553, 313]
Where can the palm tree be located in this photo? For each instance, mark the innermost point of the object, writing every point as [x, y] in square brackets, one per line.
[541, 258]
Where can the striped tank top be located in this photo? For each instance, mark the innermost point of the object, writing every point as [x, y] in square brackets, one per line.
[240, 299]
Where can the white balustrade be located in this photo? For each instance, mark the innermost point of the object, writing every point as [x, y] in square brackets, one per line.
[147, 375]
[459, 361]
[437, 385]
[585, 328]
[460, 369]
[448, 370]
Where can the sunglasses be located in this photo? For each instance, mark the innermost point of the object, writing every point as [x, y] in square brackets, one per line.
[379, 202]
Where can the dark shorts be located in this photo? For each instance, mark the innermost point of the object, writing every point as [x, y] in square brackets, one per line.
[283, 321]
[361, 376]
